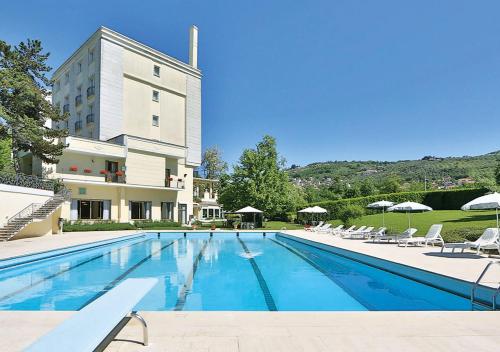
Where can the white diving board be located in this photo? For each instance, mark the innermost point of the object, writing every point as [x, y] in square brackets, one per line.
[87, 328]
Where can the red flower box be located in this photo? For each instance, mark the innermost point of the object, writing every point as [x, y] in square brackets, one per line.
[73, 168]
[119, 173]
[103, 172]
[87, 171]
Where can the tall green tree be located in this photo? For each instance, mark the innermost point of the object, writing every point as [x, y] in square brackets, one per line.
[260, 180]
[212, 165]
[497, 174]
[24, 103]
[5, 155]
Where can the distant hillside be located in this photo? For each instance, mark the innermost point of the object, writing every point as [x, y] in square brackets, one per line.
[440, 172]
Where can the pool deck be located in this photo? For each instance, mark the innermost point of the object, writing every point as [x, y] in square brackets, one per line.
[284, 331]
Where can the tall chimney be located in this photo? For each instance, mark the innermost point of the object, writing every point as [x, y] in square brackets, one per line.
[193, 46]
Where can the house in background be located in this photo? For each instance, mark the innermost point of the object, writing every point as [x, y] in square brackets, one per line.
[135, 131]
[206, 207]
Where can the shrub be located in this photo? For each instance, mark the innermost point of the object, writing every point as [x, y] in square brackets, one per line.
[97, 226]
[438, 200]
[349, 213]
[461, 235]
[155, 224]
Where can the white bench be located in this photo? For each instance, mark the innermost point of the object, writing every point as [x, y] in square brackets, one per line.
[86, 329]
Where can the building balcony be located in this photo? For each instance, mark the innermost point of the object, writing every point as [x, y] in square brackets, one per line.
[90, 119]
[90, 92]
[78, 126]
[118, 177]
[78, 100]
[65, 108]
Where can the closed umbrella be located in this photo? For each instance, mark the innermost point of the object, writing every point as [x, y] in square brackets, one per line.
[409, 207]
[383, 204]
[489, 201]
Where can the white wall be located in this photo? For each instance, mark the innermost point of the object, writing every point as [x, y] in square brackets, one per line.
[13, 199]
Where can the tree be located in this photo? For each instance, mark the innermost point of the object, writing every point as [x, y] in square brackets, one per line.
[367, 188]
[5, 155]
[259, 180]
[391, 184]
[349, 213]
[212, 165]
[497, 174]
[24, 103]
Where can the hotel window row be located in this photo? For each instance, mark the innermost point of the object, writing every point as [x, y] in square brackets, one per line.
[97, 209]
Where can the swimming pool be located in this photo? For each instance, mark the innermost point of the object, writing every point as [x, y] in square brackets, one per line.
[220, 272]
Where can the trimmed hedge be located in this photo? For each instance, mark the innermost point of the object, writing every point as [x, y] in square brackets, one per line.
[115, 226]
[437, 200]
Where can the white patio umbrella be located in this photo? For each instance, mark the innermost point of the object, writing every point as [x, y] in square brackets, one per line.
[305, 210]
[489, 201]
[249, 210]
[383, 204]
[318, 210]
[409, 207]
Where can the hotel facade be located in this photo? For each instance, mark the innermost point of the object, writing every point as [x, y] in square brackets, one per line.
[135, 131]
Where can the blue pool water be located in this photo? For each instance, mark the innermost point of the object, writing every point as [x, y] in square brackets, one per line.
[222, 272]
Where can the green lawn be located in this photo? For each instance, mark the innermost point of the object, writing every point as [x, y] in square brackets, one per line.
[457, 225]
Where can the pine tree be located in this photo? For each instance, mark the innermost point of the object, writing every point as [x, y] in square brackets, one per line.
[24, 103]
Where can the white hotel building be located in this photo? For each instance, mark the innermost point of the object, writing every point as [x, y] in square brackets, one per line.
[135, 130]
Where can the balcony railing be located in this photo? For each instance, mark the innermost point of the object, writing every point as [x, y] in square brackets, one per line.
[90, 92]
[78, 125]
[90, 119]
[113, 177]
[78, 100]
[65, 108]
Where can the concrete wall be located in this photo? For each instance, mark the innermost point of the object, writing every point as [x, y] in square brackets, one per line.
[14, 199]
[145, 169]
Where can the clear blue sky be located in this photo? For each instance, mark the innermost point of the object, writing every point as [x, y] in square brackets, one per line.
[331, 80]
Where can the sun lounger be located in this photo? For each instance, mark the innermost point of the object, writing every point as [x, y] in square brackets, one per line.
[408, 233]
[488, 240]
[325, 228]
[433, 236]
[379, 233]
[315, 227]
[337, 229]
[87, 328]
[361, 234]
[348, 233]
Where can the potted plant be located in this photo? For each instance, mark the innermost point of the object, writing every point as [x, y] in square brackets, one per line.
[212, 226]
[103, 172]
[87, 171]
[119, 173]
[73, 168]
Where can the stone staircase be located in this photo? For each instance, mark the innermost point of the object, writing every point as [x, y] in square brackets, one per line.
[33, 212]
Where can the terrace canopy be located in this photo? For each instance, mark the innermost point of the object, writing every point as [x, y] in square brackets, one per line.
[489, 201]
[313, 210]
[247, 213]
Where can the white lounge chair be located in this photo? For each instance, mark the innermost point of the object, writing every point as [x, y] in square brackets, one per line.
[87, 328]
[314, 228]
[433, 236]
[408, 233]
[348, 233]
[489, 240]
[337, 230]
[350, 229]
[361, 234]
[379, 233]
[325, 228]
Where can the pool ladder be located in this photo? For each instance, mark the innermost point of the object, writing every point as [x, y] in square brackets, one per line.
[473, 300]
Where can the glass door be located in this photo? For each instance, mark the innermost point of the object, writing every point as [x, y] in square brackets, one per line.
[183, 213]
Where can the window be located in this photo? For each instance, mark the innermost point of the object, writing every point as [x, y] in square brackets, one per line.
[90, 209]
[140, 210]
[156, 95]
[156, 71]
[91, 56]
[211, 213]
[156, 120]
[66, 77]
[205, 213]
[167, 211]
[217, 213]
[79, 67]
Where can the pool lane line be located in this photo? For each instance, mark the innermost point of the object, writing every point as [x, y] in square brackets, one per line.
[64, 271]
[324, 272]
[271, 305]
[181, 298]
[124, 274]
